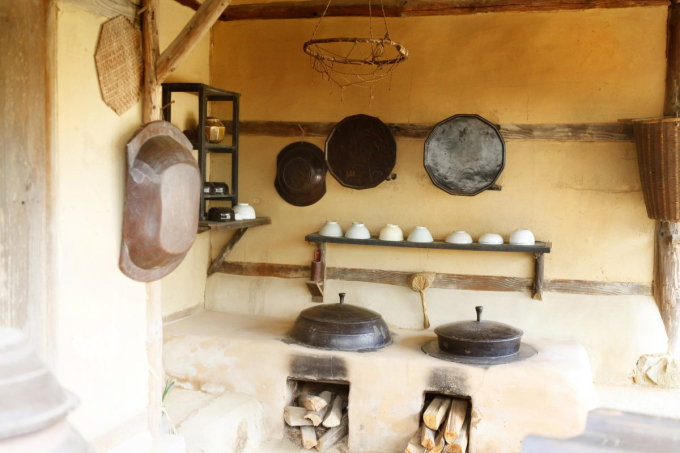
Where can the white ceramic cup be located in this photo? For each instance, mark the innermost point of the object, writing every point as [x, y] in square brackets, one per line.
[246, 211]
[420, 234]
[491, 239]
[331, 229]
[391, 232]
[358, 231]
[459, 237]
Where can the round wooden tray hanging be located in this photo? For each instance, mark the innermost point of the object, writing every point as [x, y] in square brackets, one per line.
[361, 152]
[464, 155]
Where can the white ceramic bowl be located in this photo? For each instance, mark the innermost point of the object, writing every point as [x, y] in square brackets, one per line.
[331, 229]
[238, 217]
[358, 231]
[246, 211]
[491, 239]
[459, 237]
[420, 234]
[391, 232]
[522, 237]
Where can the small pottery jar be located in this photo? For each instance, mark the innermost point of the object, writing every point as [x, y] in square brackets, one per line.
[331, 229]
[420, 234]
[246, 211]
[391, 232]
[214, 130]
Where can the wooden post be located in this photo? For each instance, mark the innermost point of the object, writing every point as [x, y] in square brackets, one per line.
[151, 111]
[667, 281]
[666, 251]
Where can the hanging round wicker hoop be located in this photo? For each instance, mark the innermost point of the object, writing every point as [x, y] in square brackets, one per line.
[402, 53]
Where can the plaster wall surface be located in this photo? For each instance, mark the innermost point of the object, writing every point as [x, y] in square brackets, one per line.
[101, 342]
[548, 394]
[568, 67]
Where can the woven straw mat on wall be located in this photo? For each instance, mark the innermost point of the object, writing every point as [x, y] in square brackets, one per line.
[119, 64]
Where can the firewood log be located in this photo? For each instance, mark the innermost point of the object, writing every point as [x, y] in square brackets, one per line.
[333, 435]
[308, 437]
[317, 416]
[427, 438]
[334, 414]
[461, 443]
[315, 403]
[455, 420]
[295, 416]
[414, 444]
[438, 443]
[436, 412]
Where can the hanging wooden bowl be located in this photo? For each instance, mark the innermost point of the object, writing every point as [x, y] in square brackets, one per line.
[301, 174]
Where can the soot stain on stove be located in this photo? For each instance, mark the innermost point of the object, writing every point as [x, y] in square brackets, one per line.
[318, 367]
[449, 381]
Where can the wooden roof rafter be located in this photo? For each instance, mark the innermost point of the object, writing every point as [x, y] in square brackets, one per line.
[412, 8]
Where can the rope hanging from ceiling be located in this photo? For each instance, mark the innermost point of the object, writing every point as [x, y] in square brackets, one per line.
[359, 62]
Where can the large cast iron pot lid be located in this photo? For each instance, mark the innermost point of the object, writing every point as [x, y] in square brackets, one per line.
[301, 174]
[464, 155]
[361, 152]
[341, 327]
[479, 342]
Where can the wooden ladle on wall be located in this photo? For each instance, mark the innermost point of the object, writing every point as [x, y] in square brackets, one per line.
[420, 282]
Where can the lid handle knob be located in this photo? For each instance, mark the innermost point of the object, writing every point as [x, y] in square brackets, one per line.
[342, 298]
[479, 313]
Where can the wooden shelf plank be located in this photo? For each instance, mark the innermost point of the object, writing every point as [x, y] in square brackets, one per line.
[235, 225]
[540, 247]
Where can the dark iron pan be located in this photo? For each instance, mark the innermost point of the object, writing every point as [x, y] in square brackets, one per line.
[464, 155]
[361, 152]
[301, 174]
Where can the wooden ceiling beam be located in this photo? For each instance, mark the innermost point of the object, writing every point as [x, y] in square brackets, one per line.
[205, 17]
[412, 8]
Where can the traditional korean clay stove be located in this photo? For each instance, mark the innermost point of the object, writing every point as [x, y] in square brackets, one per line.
[388, 387]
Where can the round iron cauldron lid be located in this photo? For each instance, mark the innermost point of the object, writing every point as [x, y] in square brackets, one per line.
[478, 331]
[340, 313]
[431, 348]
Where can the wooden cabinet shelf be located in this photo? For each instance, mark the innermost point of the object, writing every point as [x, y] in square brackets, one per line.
[316, 288]
[240, 226]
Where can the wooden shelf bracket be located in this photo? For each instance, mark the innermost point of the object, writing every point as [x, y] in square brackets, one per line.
[317, 282]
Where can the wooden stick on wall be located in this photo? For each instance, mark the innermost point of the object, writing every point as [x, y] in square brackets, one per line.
[667, 238]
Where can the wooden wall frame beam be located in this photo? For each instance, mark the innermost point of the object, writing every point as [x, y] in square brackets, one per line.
[586, 132]
[200, 24]
[398, 8]
[442, 281]
[110, 8]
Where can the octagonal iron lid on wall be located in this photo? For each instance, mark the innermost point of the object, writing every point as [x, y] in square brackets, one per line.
[464, 155]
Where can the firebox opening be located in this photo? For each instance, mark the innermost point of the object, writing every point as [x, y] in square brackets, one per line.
[444, 424]
[317, 414]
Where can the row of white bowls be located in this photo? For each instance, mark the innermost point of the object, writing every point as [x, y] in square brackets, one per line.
[391, 232]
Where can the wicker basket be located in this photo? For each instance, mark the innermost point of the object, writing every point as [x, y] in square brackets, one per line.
[658, 152]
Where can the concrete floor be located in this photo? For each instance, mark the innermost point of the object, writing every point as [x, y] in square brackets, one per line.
[637, 398]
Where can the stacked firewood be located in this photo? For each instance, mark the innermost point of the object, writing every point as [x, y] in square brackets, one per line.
[322, 419]
[444, 428]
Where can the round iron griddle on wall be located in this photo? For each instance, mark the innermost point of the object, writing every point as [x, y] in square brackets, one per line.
[361, 152]
[464, 155]
[301, 174]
